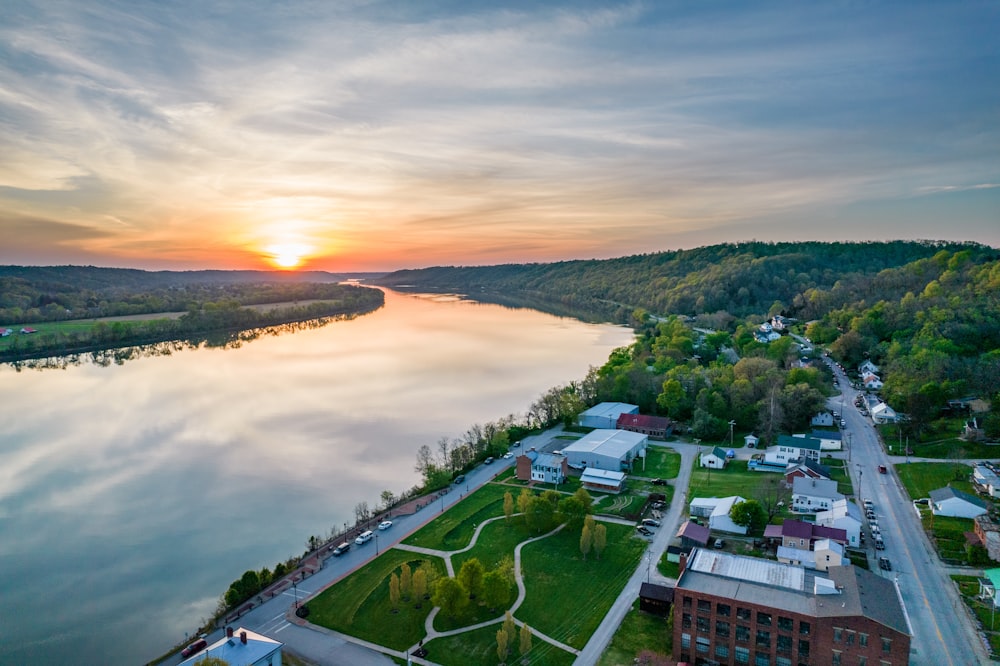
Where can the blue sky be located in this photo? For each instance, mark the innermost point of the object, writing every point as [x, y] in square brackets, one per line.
[381, 135]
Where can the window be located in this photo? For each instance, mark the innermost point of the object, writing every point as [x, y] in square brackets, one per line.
[886, 644]
[862, 661]
[701, 645]
[764, 639]
[804, 649]
[838, 634]
[742, 655]
[743, 613]
[687, 602]
[783, 661]
[686, 640]
[722, 610]
[804, 628]
[835, 661]
[742, 634]
[686, 621]
[704, 624]
[722, 651]
[784, 644]
[763, 619]
[850, 637]
[785, 623]
[705, 605]
[863, 640]
[761, 659]
[721, 629]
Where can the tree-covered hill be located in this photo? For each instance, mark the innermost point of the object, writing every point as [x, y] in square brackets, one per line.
[738, 278]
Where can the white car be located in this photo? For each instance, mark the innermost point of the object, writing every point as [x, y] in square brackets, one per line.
[385, 524]
[508, 455]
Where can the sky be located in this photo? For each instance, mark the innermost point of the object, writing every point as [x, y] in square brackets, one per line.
[373, 136]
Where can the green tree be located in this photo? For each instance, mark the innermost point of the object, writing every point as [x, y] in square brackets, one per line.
[525, 640]
[523, 499]
[419, 586]
[496, 590]
[572, 511]
[600, 539]
[450, 596]
[586, 540]
[502, 638]
[749, 514]
[394, 592]
[405, 581]
[508, 623]
[539, 515]
[508, 505]
[470, 576]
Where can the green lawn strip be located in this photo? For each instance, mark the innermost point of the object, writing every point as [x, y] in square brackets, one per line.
[359, 604]
[480, 647]
[638, 631]
[496, 541]
[921, 478]
[567, 596]
[844, 485]
[948, 535]
[661, 462]
[64, 327]
[453, 529]
[735, 479]
[968, 587]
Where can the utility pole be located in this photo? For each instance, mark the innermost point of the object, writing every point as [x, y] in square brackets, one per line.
[731, 424]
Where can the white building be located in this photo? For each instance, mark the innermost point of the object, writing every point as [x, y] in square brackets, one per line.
[950, 502]
[814, 495]
[605, 414]
[822, 419]
[242, 647]
[716, 509]
[845, 516]
[827, 554]
[714, 459]
[883, 413]
[792, 448]
[987, 480]
[602, 480]
[867, 368]
[613, 450]
[829, 440]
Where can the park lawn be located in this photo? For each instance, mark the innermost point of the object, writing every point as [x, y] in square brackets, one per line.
[626, 504]
[638, 631]
[567, 596]
[496, 542]
[358, 605]
[661, 462]
[953, 447]
[968, 587]
[735, 479]
[453, 529]
[480, 647]
[921, 478]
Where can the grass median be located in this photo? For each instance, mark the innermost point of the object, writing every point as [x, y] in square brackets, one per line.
[453, 529]
[480, 647]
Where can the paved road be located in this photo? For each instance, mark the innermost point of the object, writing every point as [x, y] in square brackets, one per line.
[942, 630]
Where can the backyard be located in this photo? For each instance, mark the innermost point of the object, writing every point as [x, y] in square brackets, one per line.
[921, 478]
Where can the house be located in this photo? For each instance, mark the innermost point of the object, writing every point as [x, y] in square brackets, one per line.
[751, 441]
[867, 368]
[714, 459]
[728, 607]
[717, 509]
[656, 599]
[871, 382]
[693, 535]
[988, 532]
[822, 419]
[242, 647]
[829, 440]
[656, 427]
[812, 495]
[800, 534]
[767, 336]
[542, 467]
[986, 480]
[827, 553]
[883, 413]
[805, 468]
[613, 450]
[789, 449]
[845, 516]
[602, 480]
[605, 414]
[779, 323]
[28, 331]
[948, 501]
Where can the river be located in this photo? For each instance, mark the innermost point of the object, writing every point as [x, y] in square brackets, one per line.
[132, 495]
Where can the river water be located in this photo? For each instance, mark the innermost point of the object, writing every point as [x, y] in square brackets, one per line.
[132, 495]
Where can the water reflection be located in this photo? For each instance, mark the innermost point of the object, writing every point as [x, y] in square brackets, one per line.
[132, 494]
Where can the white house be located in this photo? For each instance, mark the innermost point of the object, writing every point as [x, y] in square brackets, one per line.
[845, 516]
[792, 448]
[822, 419]
[867, 368]
[883, 413]
[813, 495]
[242, 647]
[714, 459]
[871, 382]
[613, 450]
[987, 480]
[950, 502]
[829, 440]
[716, 509]
[827, 553]
[605, 414]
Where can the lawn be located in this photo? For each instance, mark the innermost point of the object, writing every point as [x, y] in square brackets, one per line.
[453, 529]
[480, 647]
[73, 326]
[567, 596]
[359, 604]
[735, 479]
[968, 587]
[638, 631]
[661, 462]
[628, 503]
[668, 569]
[939, 440]
[920, 479]
[948, 535]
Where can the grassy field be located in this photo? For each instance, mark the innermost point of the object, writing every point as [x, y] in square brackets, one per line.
[75, 326]
[968, 587]
[480, 647]
[453, 529]
[948, 535]
[638, 631]
[661, 463]
[920, 479]
[567, 596]
[940, 440]
[359, 604]
[735, 479]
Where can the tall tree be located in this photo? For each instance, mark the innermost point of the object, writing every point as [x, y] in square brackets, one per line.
[523, 499]
[496, 590]
[508, 505]
[405, 581]
[586, 540]
[525, 640]
[600, 539]
[450, 596]
[502, 639]
[508, 623]
[539, 514]
[394, 592]
[471, 576]
[419, 586]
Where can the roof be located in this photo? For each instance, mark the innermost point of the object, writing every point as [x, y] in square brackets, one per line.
[606, 442]
[809, 443]
[694, 531]
[610, 409]
[725, 505]
[827, 488]
[826, 434]
[994, 577]
[805, 557]
[236, 653]
[643, 421]
[840, 509]
[810, 465]
[549, 460]
[658, 592]
[773, 532]
[591, 475]
[798, 529]
[946, 493]
[719, 453]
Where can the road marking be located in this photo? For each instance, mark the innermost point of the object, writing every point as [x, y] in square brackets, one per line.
[283, 627]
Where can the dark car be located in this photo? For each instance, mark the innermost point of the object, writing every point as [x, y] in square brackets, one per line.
[194, 648]
[644, 531]
[883, 563]
[459, 479]
[659, 482]
[488, 460]
[882, 469]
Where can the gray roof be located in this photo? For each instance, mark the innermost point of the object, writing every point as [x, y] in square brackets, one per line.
[815, 487]
[548, 460]
[946, 493]
[606, 442]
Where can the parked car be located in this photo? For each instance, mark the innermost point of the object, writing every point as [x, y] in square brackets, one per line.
[659, 482]
[879, 544]
[719, 543]
[385, 524]
[342, 548]
[459, 479]
[364, 537]
[644, 531]
[194, 648]
[883, 563]
[508, 455]
[650, 522]
[488, 460]
[843, 423]
[882, 469]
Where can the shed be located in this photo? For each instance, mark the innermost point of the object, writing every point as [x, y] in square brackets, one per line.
[714, 459]
[656, 599]
[602, 480]
[693, 535]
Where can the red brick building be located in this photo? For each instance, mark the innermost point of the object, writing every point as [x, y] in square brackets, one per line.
[732, 609]
[657, 427]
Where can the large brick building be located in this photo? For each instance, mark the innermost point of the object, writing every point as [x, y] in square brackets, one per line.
[732, 609]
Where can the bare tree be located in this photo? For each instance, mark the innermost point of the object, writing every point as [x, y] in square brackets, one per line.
[773, 494]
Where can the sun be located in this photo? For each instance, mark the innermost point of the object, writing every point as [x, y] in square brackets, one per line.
[287, 256]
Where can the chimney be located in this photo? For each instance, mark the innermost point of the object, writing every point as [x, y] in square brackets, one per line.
[243, 637]
[682, 565]
[229, 632]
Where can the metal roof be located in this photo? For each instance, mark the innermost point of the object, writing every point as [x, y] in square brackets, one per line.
[601, 475]
[606, 442]
[609, 409]
[827, 488]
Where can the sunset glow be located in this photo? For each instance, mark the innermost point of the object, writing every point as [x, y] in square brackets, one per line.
[287, 256]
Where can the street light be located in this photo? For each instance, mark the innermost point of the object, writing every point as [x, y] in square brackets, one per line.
[376, 544]
[295, 586]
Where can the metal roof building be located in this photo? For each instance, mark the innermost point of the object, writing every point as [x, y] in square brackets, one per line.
[611, 450]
